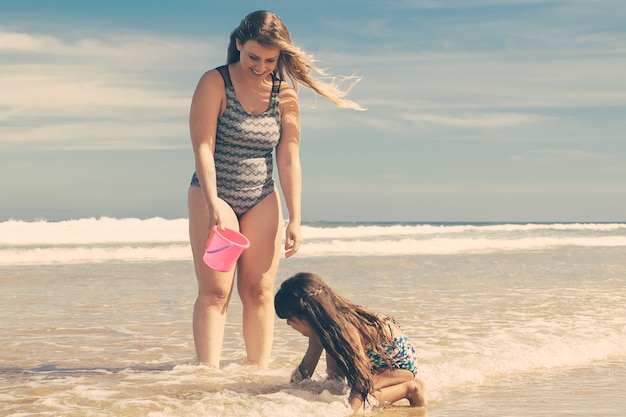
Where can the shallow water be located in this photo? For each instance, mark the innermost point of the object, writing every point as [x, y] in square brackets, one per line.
[513, 333]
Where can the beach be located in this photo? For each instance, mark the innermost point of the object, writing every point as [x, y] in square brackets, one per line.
[508, 319]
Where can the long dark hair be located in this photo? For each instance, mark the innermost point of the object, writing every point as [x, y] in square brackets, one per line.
[269, 30]
[344, 328]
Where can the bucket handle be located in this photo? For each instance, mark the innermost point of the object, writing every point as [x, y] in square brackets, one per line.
[223, 248]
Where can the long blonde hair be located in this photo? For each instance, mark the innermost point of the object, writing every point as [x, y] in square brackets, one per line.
[267, 29]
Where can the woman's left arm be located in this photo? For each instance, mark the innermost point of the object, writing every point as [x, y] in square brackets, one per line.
[289, 170]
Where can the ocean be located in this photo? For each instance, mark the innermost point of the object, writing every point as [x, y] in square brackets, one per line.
[508, 319]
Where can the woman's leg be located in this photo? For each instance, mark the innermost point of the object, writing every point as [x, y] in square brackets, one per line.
[256, 272]
[214, 288]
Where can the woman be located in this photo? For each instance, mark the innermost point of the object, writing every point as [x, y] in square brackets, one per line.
[239, 113]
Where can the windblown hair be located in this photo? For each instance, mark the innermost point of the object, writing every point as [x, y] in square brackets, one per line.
[268, 30]
[344, 329]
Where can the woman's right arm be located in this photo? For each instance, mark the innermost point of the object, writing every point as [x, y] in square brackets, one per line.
[207, 103]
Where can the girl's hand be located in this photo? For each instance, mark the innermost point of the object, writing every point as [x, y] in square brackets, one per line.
[299, 374]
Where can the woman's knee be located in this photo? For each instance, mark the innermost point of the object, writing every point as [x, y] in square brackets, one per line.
[213, 292]
[258, 293]
[213, 299]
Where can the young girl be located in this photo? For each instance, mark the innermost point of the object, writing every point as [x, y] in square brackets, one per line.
[370, 350]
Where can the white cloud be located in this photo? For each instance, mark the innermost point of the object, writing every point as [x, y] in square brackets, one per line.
[24, 42]
[478, 120]
[510, 71]
[565, 154]
[615, 169]
[82, 92]
[117, 50]
[58, 90]
[99, 135]
[449, 4]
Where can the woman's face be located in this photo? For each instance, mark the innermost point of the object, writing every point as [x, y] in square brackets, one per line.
[301, 326]
[257, 60]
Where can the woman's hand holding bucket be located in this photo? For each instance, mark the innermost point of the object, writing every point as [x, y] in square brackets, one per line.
[224, 248]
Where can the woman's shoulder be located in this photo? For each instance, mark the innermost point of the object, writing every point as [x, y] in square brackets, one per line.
[211, 81]
[212, 77]
[287, 91]
[288, 100]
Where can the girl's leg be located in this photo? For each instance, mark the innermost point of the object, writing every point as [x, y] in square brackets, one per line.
[393, 385]
[214, 288]
[257, 267]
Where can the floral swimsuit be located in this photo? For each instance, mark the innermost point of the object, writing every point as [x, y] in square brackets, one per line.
[402, 354]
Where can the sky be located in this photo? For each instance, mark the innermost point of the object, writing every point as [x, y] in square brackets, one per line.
[477, 110]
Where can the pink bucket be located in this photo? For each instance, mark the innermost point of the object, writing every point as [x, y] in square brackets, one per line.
[224, 248]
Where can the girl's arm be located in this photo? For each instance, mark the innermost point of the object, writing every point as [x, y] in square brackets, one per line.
[355, 400]
[289, 171]
[309, 361]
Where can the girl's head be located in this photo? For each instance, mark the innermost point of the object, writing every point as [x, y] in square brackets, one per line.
[304, 296]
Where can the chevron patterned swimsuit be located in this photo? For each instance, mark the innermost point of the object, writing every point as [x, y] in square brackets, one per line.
[243, 149]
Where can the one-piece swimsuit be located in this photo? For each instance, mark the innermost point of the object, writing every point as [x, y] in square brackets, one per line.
[244, 143]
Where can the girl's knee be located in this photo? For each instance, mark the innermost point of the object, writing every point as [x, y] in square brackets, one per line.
[416, 393]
